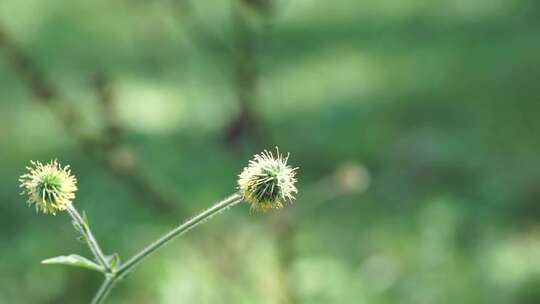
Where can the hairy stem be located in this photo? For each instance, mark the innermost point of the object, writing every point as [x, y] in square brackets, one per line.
[193, 222]
[112, 276]
[89, 237]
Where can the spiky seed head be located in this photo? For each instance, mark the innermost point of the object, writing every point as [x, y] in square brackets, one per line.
[267, 182]
[49, 187]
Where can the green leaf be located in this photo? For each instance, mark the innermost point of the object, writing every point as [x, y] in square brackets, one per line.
[113, 260]
[73, 260]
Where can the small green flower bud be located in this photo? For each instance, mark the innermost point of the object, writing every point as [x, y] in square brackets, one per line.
[267, 182]
[50, 187]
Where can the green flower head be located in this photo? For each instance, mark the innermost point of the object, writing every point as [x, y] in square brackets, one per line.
[49, 187]
[267, 182]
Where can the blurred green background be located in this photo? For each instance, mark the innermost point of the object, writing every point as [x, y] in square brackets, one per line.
[414, 124]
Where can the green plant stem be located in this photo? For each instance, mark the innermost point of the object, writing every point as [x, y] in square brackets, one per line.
[193, 222]
[89, 238]
[114, 275]
[104, 290]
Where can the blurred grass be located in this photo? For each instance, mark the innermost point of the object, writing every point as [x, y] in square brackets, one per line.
[438, 99]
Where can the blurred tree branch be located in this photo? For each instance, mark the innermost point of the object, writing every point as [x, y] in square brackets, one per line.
[243, 50]
[112, 130]
[199, 34]
[117, 160]
[246, 40]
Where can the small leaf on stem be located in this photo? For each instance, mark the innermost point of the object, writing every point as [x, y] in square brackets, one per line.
[74, 260]
[113, 260]
[85, 219]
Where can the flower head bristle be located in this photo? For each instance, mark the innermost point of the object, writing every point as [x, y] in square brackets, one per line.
[268, 182]
[49, 187]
